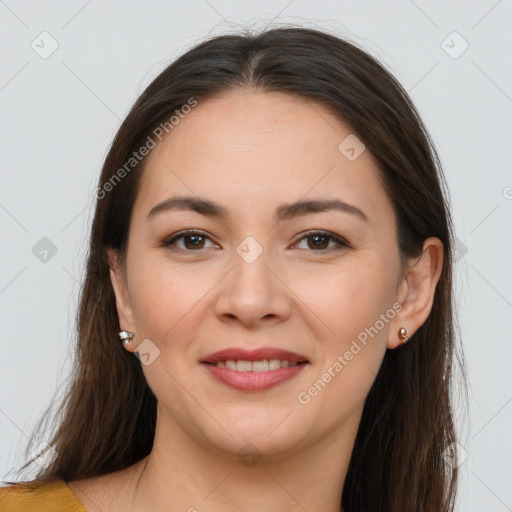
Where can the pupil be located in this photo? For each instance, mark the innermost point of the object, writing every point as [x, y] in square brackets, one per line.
[316, 238]
[197, 239]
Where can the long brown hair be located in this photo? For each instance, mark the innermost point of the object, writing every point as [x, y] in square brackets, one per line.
[107, 417]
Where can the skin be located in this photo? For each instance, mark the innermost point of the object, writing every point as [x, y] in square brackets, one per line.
[251, 152]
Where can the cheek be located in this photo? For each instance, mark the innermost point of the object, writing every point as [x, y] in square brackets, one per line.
[359, 312]
[166, 297]
[348, 298]
[356, 306]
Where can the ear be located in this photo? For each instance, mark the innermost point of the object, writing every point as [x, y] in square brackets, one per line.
[119, 283]
[416, 290]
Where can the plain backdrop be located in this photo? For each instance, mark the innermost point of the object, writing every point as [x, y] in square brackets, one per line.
[70, 71]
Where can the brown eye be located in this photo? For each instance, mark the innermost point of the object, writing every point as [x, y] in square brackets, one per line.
[195, 241]
[192, 240]
[319, 241]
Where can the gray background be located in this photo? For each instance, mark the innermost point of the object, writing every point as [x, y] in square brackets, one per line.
[59, 114]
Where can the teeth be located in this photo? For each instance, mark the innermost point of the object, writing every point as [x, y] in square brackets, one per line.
[255, 366]
[274, 364]
[230, 364]
[244, 366]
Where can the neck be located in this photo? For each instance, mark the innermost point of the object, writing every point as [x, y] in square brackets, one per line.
[182, 474]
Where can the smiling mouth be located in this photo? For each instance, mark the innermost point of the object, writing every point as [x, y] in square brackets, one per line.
[254, 376]
[254, 370]
[264, 365]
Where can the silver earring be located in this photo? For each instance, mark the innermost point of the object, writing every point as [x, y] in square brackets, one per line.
[126, 337]
[402, 334]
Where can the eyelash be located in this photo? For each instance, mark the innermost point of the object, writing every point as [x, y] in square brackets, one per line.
[342, 243]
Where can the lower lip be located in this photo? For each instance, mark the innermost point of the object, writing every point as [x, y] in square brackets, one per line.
[254, 381]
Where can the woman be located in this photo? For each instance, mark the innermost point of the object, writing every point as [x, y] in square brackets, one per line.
[272, 243]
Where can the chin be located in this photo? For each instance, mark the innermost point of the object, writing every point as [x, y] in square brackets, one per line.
[258, 434]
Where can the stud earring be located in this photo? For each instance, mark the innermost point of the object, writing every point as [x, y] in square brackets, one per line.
[126, 337]
[402, 335]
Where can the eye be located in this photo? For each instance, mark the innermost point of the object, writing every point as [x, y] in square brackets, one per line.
[191, 240]
[321, 239]
[195, 240]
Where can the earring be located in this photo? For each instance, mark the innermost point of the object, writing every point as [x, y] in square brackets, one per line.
[126, 337]
[402, 335]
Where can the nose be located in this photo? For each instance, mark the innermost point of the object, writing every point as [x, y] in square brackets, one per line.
[253, 293]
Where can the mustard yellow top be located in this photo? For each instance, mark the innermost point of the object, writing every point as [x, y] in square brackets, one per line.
[54, 496]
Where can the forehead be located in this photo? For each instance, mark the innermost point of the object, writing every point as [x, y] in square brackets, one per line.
[252, 149]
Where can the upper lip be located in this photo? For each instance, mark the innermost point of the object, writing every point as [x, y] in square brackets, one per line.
[241, 354]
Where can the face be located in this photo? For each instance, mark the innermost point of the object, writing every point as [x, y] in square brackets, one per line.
[319, 284]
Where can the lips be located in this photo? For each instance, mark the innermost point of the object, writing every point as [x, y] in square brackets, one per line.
[240, 354]
[243, 380]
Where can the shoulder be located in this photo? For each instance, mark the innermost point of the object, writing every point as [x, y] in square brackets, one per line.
[50, 496]
[109, 491]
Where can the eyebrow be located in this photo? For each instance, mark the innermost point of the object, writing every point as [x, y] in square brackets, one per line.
[284, 212]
